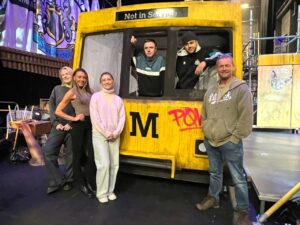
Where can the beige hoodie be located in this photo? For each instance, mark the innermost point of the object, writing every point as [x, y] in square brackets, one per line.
[230, 118]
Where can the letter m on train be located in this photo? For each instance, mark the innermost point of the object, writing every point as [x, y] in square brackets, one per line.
[144, 128]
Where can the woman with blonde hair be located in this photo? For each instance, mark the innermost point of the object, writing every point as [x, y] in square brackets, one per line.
[59, 135]
[83, 154]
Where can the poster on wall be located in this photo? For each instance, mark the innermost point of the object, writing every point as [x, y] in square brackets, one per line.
[47, 27]
[55, 26]
[274, 96]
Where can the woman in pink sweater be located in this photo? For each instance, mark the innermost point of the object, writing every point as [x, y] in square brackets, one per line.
[108, 118]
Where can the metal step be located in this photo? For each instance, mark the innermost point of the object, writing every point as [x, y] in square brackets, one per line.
[146, 162]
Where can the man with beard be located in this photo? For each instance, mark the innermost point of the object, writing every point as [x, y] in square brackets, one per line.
[226, 119]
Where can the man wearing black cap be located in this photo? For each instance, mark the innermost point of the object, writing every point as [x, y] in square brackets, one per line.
[192, 60]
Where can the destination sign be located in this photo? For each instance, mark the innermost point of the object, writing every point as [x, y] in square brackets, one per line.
[152, 14]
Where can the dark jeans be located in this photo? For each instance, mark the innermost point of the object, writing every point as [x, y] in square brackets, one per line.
[83, 153]
[51, 152]
[232, 154]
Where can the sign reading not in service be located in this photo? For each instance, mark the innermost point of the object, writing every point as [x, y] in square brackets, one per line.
[152, 13]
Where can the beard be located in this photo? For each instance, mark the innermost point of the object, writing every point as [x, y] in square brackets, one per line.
[225, 78]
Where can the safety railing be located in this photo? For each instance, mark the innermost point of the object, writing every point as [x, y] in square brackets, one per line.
[279, 203]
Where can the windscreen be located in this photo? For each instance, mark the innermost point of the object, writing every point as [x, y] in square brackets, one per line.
[102, 53]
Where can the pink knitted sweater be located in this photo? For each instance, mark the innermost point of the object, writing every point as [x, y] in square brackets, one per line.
[107, 113]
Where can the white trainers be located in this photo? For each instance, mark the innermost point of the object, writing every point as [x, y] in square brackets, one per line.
[112, 197]
[103, 199]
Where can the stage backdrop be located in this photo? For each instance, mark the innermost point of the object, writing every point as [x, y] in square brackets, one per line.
[42, 26]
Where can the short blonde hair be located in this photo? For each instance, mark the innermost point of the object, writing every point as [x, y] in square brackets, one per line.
[68, 69]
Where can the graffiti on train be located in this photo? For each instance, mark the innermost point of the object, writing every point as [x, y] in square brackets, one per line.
[186, 118]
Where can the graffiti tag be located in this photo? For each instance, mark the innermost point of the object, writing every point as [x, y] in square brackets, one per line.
[186, 118]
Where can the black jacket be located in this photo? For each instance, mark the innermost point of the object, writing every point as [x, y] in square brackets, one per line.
[186, 65]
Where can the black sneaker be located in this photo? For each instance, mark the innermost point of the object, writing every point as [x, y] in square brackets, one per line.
[92, 190]
[67, 186]
[51, 190]
[85, 191]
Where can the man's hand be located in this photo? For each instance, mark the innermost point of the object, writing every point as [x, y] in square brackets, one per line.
[59, 127]
[67, 127]
[133, 40]
[200, 68]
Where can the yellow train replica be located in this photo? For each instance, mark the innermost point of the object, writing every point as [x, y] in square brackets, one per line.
[162, 135]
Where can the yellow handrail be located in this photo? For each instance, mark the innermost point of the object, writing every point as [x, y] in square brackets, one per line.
[279, 203]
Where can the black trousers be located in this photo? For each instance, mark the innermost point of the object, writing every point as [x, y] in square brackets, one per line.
[51, 151]
[83, 153]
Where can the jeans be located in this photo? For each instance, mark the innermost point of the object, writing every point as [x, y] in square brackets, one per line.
[232, 154]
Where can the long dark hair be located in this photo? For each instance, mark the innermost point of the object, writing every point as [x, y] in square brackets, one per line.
[83, 98]
[87, 87]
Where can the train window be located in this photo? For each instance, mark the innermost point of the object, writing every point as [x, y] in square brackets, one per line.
[211, 41]
[147, 70]
[103, 53]
[169, 45]
[114, 53]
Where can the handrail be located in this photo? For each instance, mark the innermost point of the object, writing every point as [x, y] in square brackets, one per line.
[279, 203]
[8, 102]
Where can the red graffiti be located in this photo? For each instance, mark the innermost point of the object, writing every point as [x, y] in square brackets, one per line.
[186, 118]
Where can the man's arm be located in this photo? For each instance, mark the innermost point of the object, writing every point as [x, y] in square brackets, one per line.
[200, 68]
[245, 111]
[52, 107]
[135, 52]
[208, 61]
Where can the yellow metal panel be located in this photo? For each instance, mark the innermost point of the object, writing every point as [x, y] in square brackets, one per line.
[153, 156]
[279, 59]
[274, 96]
[295, 120]
[296, 59]
[177, 127]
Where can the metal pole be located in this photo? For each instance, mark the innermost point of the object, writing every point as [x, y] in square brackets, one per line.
[298, 30]
[250, 49]
[258, 44]
[119, 3]
[279, 203]
[275, 37]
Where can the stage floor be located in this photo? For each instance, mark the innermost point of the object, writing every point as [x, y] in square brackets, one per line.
[272, 160]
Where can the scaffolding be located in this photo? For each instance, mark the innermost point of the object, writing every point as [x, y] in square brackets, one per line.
[252, 47]
[251, 50]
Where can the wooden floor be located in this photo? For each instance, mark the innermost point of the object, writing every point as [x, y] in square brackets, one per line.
[272, 160]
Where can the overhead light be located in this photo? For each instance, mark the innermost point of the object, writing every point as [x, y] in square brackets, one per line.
[245, 6]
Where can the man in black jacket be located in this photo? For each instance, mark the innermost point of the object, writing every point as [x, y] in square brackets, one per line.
[192, 60]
